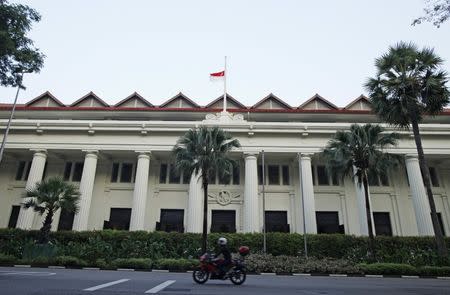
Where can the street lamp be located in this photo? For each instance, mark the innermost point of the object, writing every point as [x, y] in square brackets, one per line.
[2, 148]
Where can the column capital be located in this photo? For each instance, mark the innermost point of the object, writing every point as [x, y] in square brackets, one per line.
[306, 156]
[248, 154]
[42, 152]
[411, 157]
[91, 153]
[143, 154]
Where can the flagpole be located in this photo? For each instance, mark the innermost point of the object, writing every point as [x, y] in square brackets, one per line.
[225, 87]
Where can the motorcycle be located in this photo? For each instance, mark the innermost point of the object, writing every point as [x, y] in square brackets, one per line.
[208, 269]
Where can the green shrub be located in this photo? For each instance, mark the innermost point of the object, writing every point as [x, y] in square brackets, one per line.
[7, 259]
[33, 251]
[39, 261]
[176, 264]
[69, 261]
[388, 269]
[434, 271]
[136, 263]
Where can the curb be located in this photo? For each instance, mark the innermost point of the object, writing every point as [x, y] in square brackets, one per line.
[249, 273]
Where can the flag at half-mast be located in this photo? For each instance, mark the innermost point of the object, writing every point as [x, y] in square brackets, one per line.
[219, 76]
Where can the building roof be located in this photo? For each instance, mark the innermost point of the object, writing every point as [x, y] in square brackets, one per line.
[229, 98]
[90, 95]
[362, 99]
[45, 95]
[183, 98]
[134, 96]
[271, 98]
[317, 98]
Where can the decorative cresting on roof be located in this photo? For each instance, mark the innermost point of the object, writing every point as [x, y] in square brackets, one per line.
[46, 99]
[271, 102]
[90, 100]
[179, 101]
[361, 103]
[133, 101]
[317, 102]
[232, 103]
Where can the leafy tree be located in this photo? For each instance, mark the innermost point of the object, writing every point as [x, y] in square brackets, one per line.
[17, 52]
[409, 85]
[360, 153]
[47, 197]
[205, 151]
[436, 11]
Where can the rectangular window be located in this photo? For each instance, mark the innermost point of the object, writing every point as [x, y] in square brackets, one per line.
[44, 173]
[77, 171]
[322, 175]
[127, 172]
[276, 221]
[260, 175]
[285, 170]
[382, 223]
[27, 171]
[174, 176]
[119, 219]
[186, 178]
[224, 179]
[335, 180]
[384, 179]
[373, 179]
[212, 177]
[14, 216]
[236, 175]
[434, 177]
[171, 220]
[163, 173]
[20, 170]
[66, 220]
[274, 174]
[115, 172]
[67, 171]
[328, 222]
[223, 221]
[313, 175]
[439, 215]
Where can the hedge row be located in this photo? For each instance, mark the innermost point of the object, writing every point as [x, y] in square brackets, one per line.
[108, 245]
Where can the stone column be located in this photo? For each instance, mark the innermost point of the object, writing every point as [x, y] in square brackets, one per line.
[309, 206]
[251, 207]
[140, 192]
[361, 200]
[419, 197]
[194, 216]
[26, 216]
[80, 221]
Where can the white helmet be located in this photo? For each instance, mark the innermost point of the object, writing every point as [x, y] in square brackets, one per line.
[222, 241]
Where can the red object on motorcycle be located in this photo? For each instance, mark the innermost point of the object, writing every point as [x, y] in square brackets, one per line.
[244, 250]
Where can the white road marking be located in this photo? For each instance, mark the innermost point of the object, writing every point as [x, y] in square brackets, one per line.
[158, 288]
[27, 273]
[106, 285]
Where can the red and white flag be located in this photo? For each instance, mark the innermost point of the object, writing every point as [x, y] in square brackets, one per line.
[217, 76]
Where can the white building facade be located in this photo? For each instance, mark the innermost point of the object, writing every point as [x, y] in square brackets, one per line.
[121, 158]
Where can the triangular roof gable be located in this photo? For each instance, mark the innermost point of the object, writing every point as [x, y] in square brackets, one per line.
[317, 102]
[134, 100]
[232, 103]
[272, 101]
[46, 99]
[179, 101]
[360, 103]
[95, 101]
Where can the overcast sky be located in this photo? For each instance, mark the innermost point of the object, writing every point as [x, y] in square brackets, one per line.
[159, 48]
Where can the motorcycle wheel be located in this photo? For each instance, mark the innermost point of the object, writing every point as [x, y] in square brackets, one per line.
[238, 276]
[200, 276]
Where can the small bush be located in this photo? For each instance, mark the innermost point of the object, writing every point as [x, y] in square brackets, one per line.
[69, 261]
[7, 259]
[39, 261]
[176, 264]
[101, 263]
[136, 263]
[434, 271]
[388, 269]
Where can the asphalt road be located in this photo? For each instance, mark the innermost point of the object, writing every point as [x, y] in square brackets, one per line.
[39, 281]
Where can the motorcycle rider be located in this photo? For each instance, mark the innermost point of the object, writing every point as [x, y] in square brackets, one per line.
[223, 257]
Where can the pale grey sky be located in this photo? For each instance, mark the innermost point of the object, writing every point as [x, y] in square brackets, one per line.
[158, 48]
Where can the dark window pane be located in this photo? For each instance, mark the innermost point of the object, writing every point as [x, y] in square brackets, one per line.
[119, 219]
[66, 220]
[13, 217]
[313, 175]
[67, 170]
[186, 177]
[115, 172]
[223, 221]
[373, 179]
[286, 175]
[212, 177]
[382, 223]
[236, 175]
[163, 173]
[434, 177]
[274, 174]
[328, 222]
[322, 175]
[20, 170]
[171, 220]
[335, 179]
[439, 215]
[276, 221]
[77, 171]
[28, 165]
[260, 175]
[384, 180]
[224, 179]
[44, 173]
[174, 176]
[126, 173]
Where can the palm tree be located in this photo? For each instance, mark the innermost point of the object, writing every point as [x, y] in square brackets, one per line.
[47, 197]
[359, 153]
[409, 85]
[204, 151]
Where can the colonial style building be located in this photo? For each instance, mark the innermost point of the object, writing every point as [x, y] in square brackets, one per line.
[120, 157]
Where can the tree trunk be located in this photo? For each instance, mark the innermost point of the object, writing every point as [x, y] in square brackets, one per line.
[441, 248]
[46, 227]
[372, 255]
[205, 213]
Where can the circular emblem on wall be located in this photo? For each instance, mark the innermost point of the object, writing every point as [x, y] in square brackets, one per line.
[223, 198]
